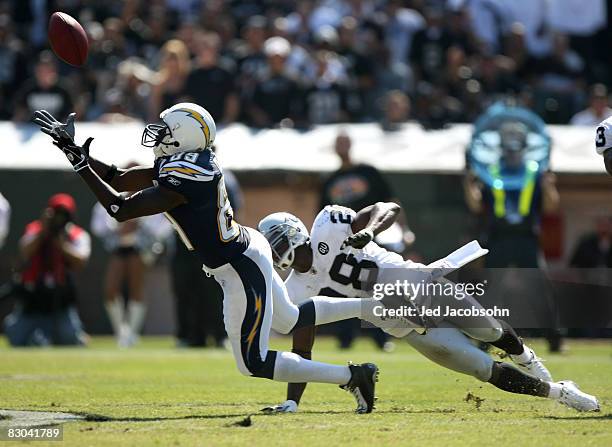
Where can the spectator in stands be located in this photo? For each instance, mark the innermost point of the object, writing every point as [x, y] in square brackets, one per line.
[399, 30]
[428, 51]
[115, 108]
[211, 83]
[277, 98]
[171, 77]
[53, 248]
[130, 94]
[252, 64]
[358, 63]
[199, 298]
[460, 33]
[515, 48]
[457, 71]
[375, 40]
[595, 249]
[397, 110]
[13, 65]
[591, 260]
[114, 45]
[489, 19]
[388, 76]
[558, 81]
[495, 76]
[330, 98]
[513, 219]
[5, 219]
[435, 108]
[357, 186]
[513, 231]
[44, 92]
[598, 109]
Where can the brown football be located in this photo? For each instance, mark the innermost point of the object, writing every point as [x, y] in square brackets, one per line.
[68, 39]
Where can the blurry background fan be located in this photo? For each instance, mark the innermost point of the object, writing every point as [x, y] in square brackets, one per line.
[508, 140]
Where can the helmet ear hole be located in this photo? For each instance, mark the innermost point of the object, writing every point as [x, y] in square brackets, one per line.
[176, 144]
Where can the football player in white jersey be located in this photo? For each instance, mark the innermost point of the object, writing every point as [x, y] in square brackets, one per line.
[603, 142]
[340, 259]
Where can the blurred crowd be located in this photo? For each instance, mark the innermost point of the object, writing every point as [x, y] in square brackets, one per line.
[281, 63]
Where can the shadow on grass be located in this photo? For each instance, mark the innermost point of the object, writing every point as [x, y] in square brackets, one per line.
[592, 417]
[92, 417]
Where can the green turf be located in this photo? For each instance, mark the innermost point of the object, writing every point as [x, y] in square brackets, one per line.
[157, 395]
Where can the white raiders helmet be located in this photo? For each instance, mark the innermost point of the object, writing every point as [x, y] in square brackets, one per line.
[185, 127]
[285, 233]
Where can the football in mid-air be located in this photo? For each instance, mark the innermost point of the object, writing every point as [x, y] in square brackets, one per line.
[68, 39]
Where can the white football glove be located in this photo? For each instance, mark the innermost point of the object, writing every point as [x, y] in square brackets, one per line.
[289, 406]
[359, 239]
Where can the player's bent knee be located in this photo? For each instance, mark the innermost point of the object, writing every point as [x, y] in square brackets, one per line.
[486, 334]
[262, 368]
[283, 327]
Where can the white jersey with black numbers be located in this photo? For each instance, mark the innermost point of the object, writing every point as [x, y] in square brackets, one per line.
[337, 271]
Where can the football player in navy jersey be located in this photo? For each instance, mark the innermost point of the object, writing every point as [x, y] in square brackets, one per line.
[186, 184]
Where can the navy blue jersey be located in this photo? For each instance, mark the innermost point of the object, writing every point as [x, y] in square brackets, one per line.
[206, 222]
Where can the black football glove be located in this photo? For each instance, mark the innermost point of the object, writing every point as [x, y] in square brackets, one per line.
[78, 156]
[63, 132]
[63, 138]
[359, 239]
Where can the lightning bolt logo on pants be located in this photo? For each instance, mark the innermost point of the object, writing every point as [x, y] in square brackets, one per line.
[253, 332]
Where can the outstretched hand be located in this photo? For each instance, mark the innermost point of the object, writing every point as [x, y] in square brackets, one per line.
[63, 138]
[60, 132]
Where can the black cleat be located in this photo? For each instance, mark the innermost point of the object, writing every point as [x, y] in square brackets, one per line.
[362, 385]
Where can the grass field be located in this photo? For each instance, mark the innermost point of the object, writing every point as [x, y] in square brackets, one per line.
[157, 395]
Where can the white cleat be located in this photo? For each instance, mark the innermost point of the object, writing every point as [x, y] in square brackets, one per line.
[572, 397]
[126, 338]
[534, 367]
[289, 406]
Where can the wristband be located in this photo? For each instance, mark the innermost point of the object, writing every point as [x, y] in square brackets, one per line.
[110, 174]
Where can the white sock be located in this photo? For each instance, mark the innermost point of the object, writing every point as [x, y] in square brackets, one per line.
[136, 315]
[525, 357]
[555, 390]
[329, 310]
[292, 368]
[115, 312]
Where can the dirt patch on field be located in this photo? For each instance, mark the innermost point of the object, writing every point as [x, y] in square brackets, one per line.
[18, 418]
